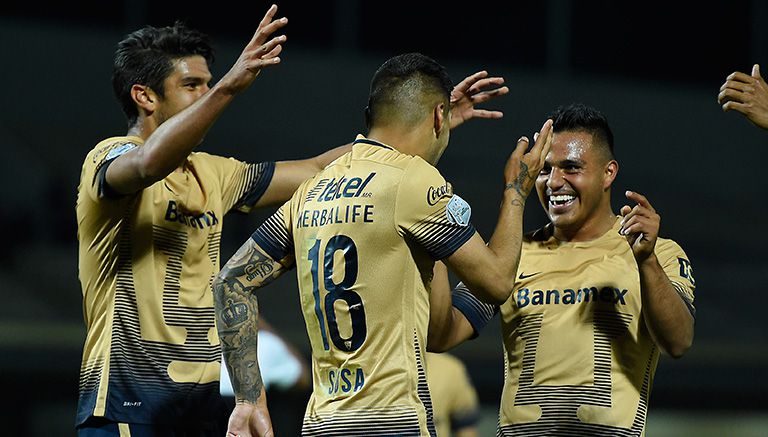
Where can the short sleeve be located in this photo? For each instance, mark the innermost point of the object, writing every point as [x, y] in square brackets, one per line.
[477, 312]
[242, 184]
[679, 270]
[274, 235]
[93, 178]
[430, 213]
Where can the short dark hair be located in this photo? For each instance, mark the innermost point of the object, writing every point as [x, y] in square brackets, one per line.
[146, 57]
[580, 117]
[401, 82]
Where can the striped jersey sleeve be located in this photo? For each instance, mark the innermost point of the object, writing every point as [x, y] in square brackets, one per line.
[679, 270]
[429, 213]
[478, 313]
[274, 235]
[242, 184]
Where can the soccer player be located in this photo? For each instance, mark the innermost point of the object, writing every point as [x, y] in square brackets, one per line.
[454, 399]
[150, 213]
[597, 296]
[747, 94]
[363, 235]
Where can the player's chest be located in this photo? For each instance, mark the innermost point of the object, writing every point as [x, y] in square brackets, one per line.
[181, 203]
[575, 281]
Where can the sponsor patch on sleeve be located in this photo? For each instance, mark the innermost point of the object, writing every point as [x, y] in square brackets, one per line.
[458, 211]
[119, 150]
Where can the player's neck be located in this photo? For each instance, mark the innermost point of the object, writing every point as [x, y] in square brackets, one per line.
[592, 229]
[143, 128]
[407, 141]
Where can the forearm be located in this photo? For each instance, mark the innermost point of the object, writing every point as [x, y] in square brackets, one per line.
[237, 314]
[323, 159]
[174, 140]
[506, 241]
[669, 320]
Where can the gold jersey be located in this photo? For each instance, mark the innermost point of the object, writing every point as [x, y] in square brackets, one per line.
[364, 234]
[146, 263]
[454, 399]
[579, 359]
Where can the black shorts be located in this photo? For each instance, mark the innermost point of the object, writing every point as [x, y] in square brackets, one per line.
[100, 427]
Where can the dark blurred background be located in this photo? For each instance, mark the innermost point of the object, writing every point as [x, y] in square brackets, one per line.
[653, 67]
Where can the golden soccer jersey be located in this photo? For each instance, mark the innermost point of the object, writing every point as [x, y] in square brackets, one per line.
[146, 263]
[454, 399]
[579, 357]
[364, 234]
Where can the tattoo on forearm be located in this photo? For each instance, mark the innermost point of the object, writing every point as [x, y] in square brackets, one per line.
[237, 314]
[519, 184]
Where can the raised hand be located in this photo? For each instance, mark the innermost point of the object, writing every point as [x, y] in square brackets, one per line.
[522, 168]
[747, 94]
[640, 225]
[472, 91]
[259, 53]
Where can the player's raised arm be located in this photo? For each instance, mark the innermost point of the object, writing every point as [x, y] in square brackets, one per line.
[174, 139]
[489, 271]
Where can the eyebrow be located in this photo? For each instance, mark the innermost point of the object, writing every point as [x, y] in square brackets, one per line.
[568, 162]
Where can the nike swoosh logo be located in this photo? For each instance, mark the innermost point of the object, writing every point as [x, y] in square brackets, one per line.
[524, 276]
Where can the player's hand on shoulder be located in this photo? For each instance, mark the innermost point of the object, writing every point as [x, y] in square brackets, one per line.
[747, 94]
[523, 166]
[262, 51]
[640, 225]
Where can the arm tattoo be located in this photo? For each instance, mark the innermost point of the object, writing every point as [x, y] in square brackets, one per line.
[237, 314]
[518, 184]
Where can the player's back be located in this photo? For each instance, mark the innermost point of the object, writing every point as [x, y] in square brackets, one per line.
[364, 270]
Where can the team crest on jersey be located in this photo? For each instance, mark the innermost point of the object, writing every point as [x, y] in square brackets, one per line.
[458, 211]
[120, 150]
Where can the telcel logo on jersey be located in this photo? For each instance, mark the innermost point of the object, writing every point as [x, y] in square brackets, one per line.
[525, 297]
[352, 187]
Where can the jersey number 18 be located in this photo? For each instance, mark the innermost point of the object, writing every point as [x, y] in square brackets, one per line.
[338, 291]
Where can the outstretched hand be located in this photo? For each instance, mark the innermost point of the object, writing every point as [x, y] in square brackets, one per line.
[260, 52]
[747, 94]
[640, 225]
[522, 168]
[473, 90]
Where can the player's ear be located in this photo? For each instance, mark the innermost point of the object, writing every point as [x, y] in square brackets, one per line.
[144, 97]
[440, 120]
[611, 170]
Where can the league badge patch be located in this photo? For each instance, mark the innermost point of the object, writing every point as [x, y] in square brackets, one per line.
[458, 211]
[119, 150]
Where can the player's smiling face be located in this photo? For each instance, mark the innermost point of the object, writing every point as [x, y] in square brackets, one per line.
[572, 185]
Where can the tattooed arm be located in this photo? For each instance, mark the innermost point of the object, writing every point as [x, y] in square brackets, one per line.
[489, 271]
[237, 315]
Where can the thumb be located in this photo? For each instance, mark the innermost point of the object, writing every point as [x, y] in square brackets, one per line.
[756, 71]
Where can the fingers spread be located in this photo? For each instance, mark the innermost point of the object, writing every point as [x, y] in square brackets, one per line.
[465, 84]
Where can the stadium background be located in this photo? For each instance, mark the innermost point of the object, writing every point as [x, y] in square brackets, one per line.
[654, 68]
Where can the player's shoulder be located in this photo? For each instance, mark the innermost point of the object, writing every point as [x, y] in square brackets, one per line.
[666, 246]
[110, 148]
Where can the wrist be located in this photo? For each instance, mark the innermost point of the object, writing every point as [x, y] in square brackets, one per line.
[513, 194]
[649, 261]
